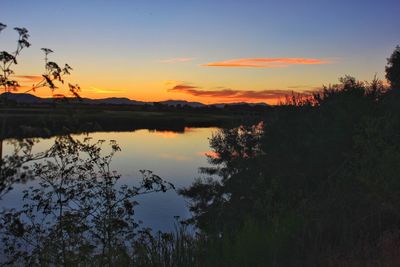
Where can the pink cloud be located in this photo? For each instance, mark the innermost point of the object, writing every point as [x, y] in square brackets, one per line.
[231, 93]
[178, 60]
[29, 78]
[210, 154]
[266, 62]
[166, 134]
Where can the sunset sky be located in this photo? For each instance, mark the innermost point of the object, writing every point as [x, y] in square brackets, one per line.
[207, 51]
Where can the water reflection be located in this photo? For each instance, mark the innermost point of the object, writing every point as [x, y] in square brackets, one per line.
[175, 156]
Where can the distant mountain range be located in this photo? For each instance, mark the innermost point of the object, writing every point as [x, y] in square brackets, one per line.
[31, 99]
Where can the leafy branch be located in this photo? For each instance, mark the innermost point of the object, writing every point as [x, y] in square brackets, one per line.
[7, 60]
[53, 74]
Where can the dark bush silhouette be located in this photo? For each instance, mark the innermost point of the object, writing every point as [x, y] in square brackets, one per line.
[393, 69]
[317, 185]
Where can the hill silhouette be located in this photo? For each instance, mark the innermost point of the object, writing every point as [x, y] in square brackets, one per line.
[25, 98]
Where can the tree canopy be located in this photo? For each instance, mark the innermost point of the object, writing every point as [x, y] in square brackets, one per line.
[393, 69]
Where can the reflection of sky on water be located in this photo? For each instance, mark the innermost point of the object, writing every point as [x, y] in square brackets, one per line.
[175, 157]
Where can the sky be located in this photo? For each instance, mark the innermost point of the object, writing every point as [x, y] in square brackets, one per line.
[208, 51]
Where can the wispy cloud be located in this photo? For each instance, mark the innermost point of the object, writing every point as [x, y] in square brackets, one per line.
[210, 153]
[266, 62]
[177, 60]
[102, 90]
[165, 134]
[309, 88]
[27, 82]
[29, 78]
[172, 82]
[231, 93]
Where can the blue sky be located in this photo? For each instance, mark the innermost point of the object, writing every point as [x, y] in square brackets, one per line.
[132, 48]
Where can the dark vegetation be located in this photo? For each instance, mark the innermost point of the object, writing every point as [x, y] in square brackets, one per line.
[63, 118]
[76, 215]
[316, 183]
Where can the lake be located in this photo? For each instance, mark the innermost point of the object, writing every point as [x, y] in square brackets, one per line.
[174, 156]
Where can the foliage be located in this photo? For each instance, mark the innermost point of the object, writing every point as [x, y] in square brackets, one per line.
[319, 179]
[175, 249]
[53, 72]
[235, 151]
[12, 169]
[393, 69]
[76, 214]
[8, 59]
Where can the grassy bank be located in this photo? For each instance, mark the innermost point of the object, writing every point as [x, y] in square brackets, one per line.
[19, 122]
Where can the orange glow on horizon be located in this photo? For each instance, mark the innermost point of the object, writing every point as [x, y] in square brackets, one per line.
[47, 93]
[165, 134]
[157, 91]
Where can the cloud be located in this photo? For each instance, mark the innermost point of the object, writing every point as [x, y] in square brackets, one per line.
[266, 62]
[231, 93]
[166, 134]
[298, 86]
[27, 82]
[178, 60]
[309, 88]
[102, 90]
[210, 153]
[29, 78]
[172, 82]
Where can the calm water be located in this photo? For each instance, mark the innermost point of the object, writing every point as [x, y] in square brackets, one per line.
[173, 156]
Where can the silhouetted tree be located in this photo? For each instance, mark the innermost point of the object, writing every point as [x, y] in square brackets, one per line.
[393, 69]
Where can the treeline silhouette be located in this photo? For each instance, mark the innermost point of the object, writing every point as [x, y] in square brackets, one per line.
[45, 120]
